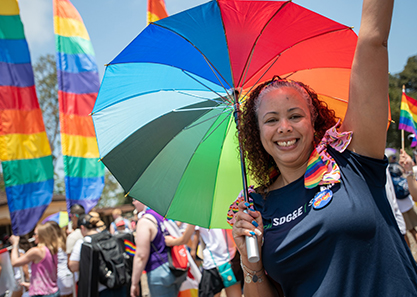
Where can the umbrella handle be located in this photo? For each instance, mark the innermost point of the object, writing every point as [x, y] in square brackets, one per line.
[251, 241]
[252, 248]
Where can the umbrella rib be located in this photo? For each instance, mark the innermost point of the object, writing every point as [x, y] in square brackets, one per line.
[253, 85]
[199, 123]
[301, 41]
[221, 96]
[204, 139]
[201, 97]
[246, 67]
[216, 73]
[198, 109]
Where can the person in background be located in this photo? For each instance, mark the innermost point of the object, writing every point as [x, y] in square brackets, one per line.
[65, 277]
[117, 213]
[100, 225]
[75, 211]
[43, 259]
[121, 226]
[389, 188]
[406, 173]
[151, 256]
[24, 246]
[219, 249]
[88, 227]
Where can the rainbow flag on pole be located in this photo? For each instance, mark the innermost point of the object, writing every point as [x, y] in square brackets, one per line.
[408, 116]
[25, 153]
[78, 83]
[156, 10]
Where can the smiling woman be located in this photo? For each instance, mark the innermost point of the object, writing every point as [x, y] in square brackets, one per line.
[321, 201]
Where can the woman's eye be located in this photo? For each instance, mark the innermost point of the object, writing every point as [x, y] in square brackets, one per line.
[295, 116]
[272, 120]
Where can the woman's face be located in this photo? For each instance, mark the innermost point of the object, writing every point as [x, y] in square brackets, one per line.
[285, 126]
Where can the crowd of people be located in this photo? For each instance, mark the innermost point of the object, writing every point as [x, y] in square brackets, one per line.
[54, 265]
[328, 217]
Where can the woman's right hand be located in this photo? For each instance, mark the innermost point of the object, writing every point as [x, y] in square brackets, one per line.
[169, 240]
[247, 224]
[134, 290]
[14, 239]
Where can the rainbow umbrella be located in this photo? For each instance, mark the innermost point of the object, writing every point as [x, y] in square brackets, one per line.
[60, 217]
[164, 113]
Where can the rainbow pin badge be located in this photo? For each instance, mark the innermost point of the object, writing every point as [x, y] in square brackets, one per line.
[322, 199]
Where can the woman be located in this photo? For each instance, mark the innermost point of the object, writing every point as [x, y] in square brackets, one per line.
[151, 256]
[89, 227]
[65, 277]
[335, 236]
[43, 259]
[218, 251]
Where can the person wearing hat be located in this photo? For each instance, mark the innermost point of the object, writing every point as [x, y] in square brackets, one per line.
[117, 213]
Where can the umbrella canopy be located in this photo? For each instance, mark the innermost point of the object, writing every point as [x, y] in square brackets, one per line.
[60, 217]
[164, 113]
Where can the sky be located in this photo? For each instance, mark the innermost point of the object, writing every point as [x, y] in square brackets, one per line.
[112, 24]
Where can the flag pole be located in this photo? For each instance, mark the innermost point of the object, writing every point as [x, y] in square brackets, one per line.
[402, 130]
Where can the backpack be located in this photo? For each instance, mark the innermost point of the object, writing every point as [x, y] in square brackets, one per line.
[112, 270]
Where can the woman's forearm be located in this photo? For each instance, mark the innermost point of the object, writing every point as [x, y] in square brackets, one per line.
[138, 267]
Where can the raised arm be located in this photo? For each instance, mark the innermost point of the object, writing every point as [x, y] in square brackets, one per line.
[367, 112]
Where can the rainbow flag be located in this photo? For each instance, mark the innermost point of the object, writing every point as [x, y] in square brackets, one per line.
[78, 83]
[130, 247]
[156, 10]
[408, 116]
[25, 153]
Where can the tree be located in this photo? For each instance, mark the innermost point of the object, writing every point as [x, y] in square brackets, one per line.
[112, 193]
[45, 74]
[44, 71]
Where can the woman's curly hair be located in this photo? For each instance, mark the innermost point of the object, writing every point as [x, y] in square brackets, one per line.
[261, 165]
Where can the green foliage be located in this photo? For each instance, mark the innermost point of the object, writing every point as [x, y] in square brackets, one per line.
[45, 75]
[113, 193]
[47, 90]
[407, 77]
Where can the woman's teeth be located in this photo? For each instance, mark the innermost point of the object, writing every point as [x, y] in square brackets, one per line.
[286, 143]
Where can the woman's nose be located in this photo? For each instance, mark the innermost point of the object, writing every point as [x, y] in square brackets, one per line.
[284, 127]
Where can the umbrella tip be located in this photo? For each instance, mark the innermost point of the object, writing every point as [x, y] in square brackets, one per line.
[127, 194]
[91, 113]
[351, 27]
[99, 160]
[105, 65]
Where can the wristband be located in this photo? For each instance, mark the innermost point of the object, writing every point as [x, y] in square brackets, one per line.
[252, 275]
[408, 174]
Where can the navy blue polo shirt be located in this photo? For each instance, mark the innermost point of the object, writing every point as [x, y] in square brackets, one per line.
[349, 247]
